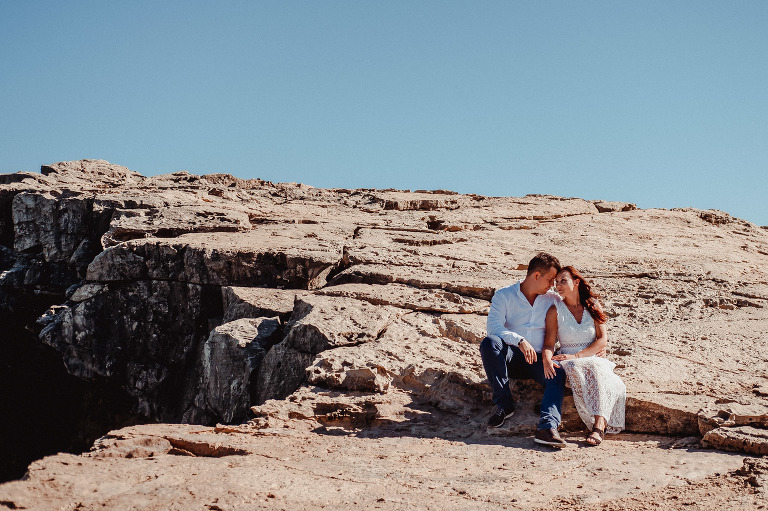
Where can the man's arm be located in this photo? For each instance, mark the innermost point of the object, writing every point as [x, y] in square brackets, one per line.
[497, 316]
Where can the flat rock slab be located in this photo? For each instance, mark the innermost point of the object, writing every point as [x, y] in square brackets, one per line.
[739, 439]
[255, 302]
[411, 298]
[160, 467]
[291, 256]
[172, 222]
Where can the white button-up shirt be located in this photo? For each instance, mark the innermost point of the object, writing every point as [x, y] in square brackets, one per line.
[512, 318]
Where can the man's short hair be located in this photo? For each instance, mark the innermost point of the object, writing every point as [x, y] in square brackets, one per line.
[542, 262]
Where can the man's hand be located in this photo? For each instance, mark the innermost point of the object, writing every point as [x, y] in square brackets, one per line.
[528, 352]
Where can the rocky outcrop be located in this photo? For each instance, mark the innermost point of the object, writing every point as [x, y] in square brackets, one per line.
[613, 206]
[262, 259]
[229, 364]
[735, 427]
[739, 439]
[144, 335]
[319, 324]
[756, 472]
[204, 296]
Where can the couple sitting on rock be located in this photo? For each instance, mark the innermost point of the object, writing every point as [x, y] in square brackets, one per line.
[524, 321]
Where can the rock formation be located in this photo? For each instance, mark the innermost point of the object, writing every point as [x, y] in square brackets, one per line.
[201, 297]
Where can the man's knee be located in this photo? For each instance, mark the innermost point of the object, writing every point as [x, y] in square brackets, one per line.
[491, 344]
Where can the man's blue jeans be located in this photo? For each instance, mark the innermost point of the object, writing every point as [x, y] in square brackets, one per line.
[502, 362]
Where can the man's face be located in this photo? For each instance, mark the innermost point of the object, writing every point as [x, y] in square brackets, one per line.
[546, 280]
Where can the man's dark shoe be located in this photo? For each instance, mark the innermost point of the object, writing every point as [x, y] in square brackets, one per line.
[499, 415]
[549, 437]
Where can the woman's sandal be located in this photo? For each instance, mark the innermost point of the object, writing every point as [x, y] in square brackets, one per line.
[595, 437]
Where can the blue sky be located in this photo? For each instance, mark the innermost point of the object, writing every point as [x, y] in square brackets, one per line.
[661, 103]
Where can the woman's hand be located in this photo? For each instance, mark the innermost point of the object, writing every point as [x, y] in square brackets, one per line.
[549, 367]
[564, 357]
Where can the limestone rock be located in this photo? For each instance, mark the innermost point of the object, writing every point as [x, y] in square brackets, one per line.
[673, 415]
[146, 336]
[733, 414]
[230, 362]
[740, 439]
[412, 356]
[409, 297]
[432, 260]
[462, 327]
[268, 257]
[97, 173]
[142, 223]
[201, 296]
[756, 471]
[462, 283]
[252, 467]
[129, 446]
[54, 226]
[613, 206]
[318, 323]
[256, 302]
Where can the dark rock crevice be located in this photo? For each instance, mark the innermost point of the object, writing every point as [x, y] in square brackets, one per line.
[45, 409]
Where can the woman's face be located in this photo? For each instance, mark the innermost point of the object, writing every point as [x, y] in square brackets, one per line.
[564, 283]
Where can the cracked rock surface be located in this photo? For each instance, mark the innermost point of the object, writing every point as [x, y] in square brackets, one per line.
[308, 322]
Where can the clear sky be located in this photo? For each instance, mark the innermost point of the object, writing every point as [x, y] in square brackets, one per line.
[661, 103]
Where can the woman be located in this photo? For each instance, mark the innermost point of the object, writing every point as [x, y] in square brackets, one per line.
[578, 322]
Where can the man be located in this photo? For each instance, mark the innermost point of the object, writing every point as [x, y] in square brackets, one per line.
[514, 344]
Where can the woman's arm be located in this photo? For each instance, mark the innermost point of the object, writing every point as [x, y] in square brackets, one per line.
[599, 344]
[602, 352]
[596, 348]
[550, 336]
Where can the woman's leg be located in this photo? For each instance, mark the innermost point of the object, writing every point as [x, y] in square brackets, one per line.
[595, 437]
[600, 422]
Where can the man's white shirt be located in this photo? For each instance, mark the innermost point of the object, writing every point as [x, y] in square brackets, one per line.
[512, 318]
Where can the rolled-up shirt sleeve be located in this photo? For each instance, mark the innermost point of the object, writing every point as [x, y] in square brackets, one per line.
[496, 324]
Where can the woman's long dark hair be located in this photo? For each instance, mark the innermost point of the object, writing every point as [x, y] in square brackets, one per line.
[587, 296]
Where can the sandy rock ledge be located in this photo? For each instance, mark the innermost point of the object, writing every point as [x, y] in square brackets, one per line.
[303, 347]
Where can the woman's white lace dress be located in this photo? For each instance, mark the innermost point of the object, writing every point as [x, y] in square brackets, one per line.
[596, 389]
